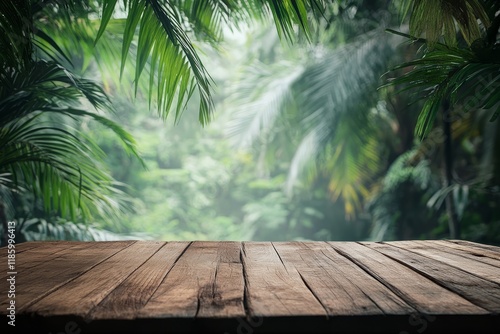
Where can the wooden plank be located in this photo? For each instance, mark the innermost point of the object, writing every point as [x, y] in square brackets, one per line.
[418, 291]
[272, 289]
[29, 258]
[206, 281]
[80, 295]
[24, 246]
[495, 249]
[481, 255]
[133, 293]
[481, 292]
[35, 257]
[474, 267]
[210, 275]
[340, 285]
[224, 297]
[33, 245]
[35, 283]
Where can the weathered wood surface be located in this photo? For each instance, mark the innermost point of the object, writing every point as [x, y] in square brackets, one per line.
[255, 287]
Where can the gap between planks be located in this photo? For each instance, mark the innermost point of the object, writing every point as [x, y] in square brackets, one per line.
[35, 288]
[410, 285]
[139, 286]
[459, 261]
[476, 289]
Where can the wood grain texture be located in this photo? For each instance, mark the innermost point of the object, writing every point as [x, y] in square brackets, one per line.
[195, 286]
[479, 291]
[274, 289]
[472, 245]
[81, 294]
[480, 255]
[22, 247]
[429, 287]
[125, 301]
[60, 267]
[341, 286]
[35, 258]
[224, 296]
[474, 267]
[420, 292]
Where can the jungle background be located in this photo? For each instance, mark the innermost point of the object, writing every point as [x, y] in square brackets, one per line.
[327, 120]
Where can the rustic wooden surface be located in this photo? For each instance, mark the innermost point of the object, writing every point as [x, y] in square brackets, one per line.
[256, 287]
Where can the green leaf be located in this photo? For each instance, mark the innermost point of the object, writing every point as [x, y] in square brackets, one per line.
[107, 11]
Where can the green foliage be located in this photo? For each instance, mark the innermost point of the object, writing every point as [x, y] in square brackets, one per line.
[36, 229]
[163, 42]
[452, 73]
[198, 187]
[438, 18]
[45, 154]
[398, 208]
[320, 97]
[42, 150]
[453, 80]
[315, 140]
[45, 102]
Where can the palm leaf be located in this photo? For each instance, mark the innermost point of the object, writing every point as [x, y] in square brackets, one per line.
[327, 91]
[56, 162]
[162, 40]
[260, 106]
[446, 72]
[437, 18]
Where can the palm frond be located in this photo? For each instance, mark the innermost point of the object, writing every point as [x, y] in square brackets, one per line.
[446, 72]
[438, 18]
[46, 86]
[54, 160]
[327, 90]
[56, 165]
[261, 105]
[162, 39]
[329, 93]
[387, 206]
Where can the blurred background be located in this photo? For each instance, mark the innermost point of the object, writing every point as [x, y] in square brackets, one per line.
[319, 138]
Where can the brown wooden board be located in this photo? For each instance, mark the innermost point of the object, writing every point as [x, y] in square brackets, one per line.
[429, 287]
[479, 291]
[274, 289]
[480, 255]
[340, 285]
[134, 292]
[79, 295]
[420, 292]
[35, 283]
[195, 286]
[474, 267]
[473, 245]
[35, 257]
[23, 247]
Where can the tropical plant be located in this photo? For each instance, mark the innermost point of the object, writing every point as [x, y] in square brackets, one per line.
[164, 41]
[343, 120]
[453, 78]
[42, 150]
[41, 87]
[398, 207]
[331, 95]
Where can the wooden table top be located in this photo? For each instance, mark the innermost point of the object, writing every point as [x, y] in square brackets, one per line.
[255, 287]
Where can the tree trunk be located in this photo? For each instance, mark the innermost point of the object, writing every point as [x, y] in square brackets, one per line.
[453, 223]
